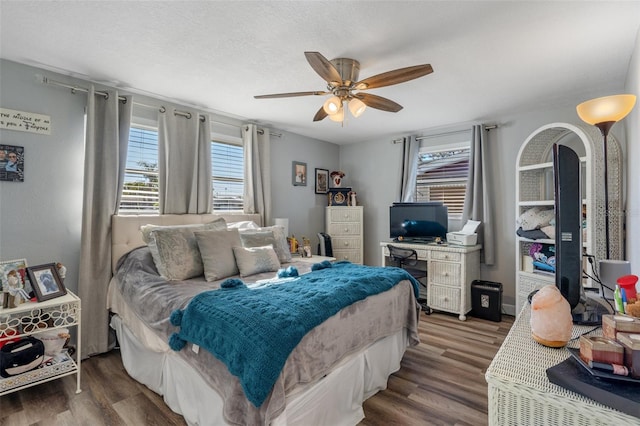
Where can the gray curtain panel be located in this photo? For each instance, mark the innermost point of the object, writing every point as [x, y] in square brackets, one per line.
[257, 172]
[107, 138]
[477, 198]
[184, 156]
[411, 148]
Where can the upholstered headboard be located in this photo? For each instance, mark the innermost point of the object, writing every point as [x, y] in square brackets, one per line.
[126, 235]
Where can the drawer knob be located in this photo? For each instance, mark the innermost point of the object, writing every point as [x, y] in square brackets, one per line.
[346, 229]
[445, 274]
[346, 243]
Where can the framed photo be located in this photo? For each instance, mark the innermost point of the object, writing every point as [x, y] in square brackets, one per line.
[12, 268]
[12, 163]
[46, 281]
[299, 173]
[322, 181]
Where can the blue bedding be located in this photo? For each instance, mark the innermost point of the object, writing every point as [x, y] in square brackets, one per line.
[254, 329]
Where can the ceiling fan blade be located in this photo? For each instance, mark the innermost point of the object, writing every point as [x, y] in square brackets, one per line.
[320, 115]
[324, 68]
[378, 102]
[289, 95]
[394, 77]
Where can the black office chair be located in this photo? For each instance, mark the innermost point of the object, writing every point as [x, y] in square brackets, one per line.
[407, 259]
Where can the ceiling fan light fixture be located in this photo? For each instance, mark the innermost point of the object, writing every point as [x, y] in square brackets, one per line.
[357, 107]
[332, 105]
[338, 116]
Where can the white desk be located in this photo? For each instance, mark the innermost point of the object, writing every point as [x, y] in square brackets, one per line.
[450, 271]
[520, 392]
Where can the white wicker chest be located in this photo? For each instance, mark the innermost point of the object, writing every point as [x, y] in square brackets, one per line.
[521, 394]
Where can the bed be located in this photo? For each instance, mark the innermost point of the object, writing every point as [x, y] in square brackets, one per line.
[335, 366]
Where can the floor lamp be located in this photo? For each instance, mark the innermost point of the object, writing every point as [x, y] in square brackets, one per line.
[604, 113]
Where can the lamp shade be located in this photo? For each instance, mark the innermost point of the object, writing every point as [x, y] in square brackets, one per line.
[357, 107]
[333, 105]
[338, 116]
[607, 109]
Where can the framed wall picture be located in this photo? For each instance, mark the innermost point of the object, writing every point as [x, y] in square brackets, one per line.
[46, 281]
[322, 181]
[299, 173]
[12, 163]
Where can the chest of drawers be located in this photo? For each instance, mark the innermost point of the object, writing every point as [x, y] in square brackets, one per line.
[345, 226]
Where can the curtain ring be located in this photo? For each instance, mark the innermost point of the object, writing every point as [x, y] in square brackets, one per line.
[162, 109]
[188, 116]
[106, 96]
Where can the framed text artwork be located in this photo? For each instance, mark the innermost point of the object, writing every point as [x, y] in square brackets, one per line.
[322, 181]
[299, 173]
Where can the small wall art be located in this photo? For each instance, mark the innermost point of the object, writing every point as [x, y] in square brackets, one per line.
[299, 173]
[12, 163]
[322, 181]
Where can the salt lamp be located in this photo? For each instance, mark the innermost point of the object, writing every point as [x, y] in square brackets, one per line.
[551, 320]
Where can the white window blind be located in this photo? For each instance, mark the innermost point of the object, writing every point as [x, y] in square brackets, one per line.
[227, 165]
[442, 176]
[140, 191]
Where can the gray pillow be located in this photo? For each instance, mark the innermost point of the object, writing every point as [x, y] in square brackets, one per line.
[254, 260]
[216, 249]
[175, 253]
[281, 246]
[216, 224]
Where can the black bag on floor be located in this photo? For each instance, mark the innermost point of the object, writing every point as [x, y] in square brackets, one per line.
[21, 356]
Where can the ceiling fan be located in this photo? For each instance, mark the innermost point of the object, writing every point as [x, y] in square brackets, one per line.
[341, 75]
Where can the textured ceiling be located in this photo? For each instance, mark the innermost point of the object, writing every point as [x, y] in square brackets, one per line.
[489, 58]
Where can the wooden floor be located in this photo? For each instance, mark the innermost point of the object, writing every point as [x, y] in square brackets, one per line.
[441, 382]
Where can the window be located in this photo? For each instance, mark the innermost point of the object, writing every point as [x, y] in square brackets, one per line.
[227, 166]
[442, 176]
[140, 191]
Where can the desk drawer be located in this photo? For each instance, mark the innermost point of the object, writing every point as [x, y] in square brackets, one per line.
[443, 298]
[445, 273]
[445, 255]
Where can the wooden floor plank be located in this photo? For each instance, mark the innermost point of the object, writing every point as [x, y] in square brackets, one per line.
[440, 382]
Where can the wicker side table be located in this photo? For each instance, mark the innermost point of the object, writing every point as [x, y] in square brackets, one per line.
[521, 394]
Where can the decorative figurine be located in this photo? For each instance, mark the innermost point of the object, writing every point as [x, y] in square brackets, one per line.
[352, 198]
[62, 270]
[337, 176]
[15, 288]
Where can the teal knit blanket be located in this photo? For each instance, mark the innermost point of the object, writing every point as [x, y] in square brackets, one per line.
[254, 329]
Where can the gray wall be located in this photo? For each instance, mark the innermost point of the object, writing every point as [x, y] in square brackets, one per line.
[40, 219]
[300, 204]
[378, 180]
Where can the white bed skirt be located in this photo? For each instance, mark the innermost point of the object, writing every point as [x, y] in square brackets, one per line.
[334, 400]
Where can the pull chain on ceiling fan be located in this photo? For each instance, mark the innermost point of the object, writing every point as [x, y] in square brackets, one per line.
[342, 75]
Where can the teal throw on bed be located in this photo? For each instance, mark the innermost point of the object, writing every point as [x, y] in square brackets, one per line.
[253, 330]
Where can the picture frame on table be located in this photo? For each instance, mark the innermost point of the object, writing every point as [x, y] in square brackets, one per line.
[12, 274]
[46, 281]
[322, 181]
[298, 173]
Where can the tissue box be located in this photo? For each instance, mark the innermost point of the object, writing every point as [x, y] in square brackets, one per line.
[462, 239]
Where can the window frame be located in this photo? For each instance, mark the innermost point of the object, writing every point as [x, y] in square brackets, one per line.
[453, 194]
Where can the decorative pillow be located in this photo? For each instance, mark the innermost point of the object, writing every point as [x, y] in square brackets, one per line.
[244, 224]
[257, 239]
[175, 253]
[253, 260]
[216, 249]
[216, 224]
[281, 245]
[535, 218]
